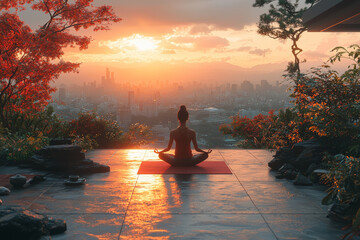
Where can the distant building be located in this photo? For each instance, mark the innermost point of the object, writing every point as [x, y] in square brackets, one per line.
[62, 94]
[123, 117]
[131, 99]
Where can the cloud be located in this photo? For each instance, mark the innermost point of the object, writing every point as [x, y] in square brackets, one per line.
[200, 29]
[260, 52]
[168, 51]
[242, 49]
[233, 14]
[201, 43]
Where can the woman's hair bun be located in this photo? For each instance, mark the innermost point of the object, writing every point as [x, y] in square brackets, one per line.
[183, 114]
[182, 108]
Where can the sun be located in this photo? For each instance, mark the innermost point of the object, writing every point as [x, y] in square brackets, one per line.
[141, 43]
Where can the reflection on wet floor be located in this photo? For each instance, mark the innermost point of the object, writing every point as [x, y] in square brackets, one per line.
[249, 204]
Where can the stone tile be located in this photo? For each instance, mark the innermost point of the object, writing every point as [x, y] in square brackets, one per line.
[90, 226]
[90, 198]
[190, 197]
[280, 197]
[147, 225]
[239, 157]
[253, 173]
[304, 226]
[26, 196]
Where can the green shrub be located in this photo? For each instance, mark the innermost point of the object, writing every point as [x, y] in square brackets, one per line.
[106, 133]
[344, 177]
[17, 148]
[270, 131]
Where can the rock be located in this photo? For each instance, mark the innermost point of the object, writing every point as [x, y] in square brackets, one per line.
[4, 191]
[301, 146]
[307, 157]
[23, 224]
[285, 154]
[311, 169]
[56, 226]
[321, 171]
[276, 163]
[287, 171]
[19, 223]
[18, 180]
[301, 180]
[290, 174]
[37, 179]
[286, 166]
[339, 212]
[65, 158]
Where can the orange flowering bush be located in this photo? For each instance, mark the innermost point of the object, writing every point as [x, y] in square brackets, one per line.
[93, 131]
[270, 131]
[328, 104]
[98, 130]
[15, 148]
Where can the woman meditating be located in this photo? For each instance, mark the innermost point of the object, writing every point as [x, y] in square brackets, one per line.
[183, 137]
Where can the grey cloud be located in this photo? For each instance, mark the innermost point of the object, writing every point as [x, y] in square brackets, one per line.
[202, 42]
[260, 52]
[233, 14]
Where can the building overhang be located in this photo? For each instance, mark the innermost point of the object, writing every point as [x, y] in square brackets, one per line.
[333, 16]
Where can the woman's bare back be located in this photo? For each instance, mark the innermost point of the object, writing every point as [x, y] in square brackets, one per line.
[183, 137]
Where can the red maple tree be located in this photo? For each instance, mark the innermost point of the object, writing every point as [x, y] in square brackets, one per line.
[30, 59]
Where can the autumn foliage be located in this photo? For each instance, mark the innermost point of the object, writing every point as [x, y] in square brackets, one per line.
[326, 107]
[32, 58]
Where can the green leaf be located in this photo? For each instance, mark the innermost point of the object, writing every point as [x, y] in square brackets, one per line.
[356, 221]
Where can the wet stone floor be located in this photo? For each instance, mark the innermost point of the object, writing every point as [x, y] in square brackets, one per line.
[248, 204]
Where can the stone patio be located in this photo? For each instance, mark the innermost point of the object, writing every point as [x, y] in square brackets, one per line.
[249, 204]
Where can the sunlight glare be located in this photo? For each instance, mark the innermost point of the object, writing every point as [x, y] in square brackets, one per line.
[141, 43]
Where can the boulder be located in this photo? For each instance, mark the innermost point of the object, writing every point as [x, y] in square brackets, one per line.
[301, 180]
[287, 171]
[340, 212]
[282, 156]
[4, 191]
[56, 226]
[65, 158]
[301, 146]
[285, 154]
[18, 180]
[276, 164]
[19, 223]
[311, 169]
[307, 157]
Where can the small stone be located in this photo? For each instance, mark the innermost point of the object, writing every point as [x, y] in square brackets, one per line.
[301, 180]
[37, 179]
[19, 223]
[4, 191]
[56, 226]
[276, 163]
[18, 180]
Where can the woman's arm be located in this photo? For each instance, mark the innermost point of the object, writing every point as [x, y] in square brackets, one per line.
[195, 143]
[169, 144]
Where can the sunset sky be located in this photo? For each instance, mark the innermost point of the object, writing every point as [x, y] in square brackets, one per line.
[167, 33]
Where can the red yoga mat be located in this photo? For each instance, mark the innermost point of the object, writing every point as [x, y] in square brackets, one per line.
[206, 167]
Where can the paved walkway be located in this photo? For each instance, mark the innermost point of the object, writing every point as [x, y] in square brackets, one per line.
[249, 204]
